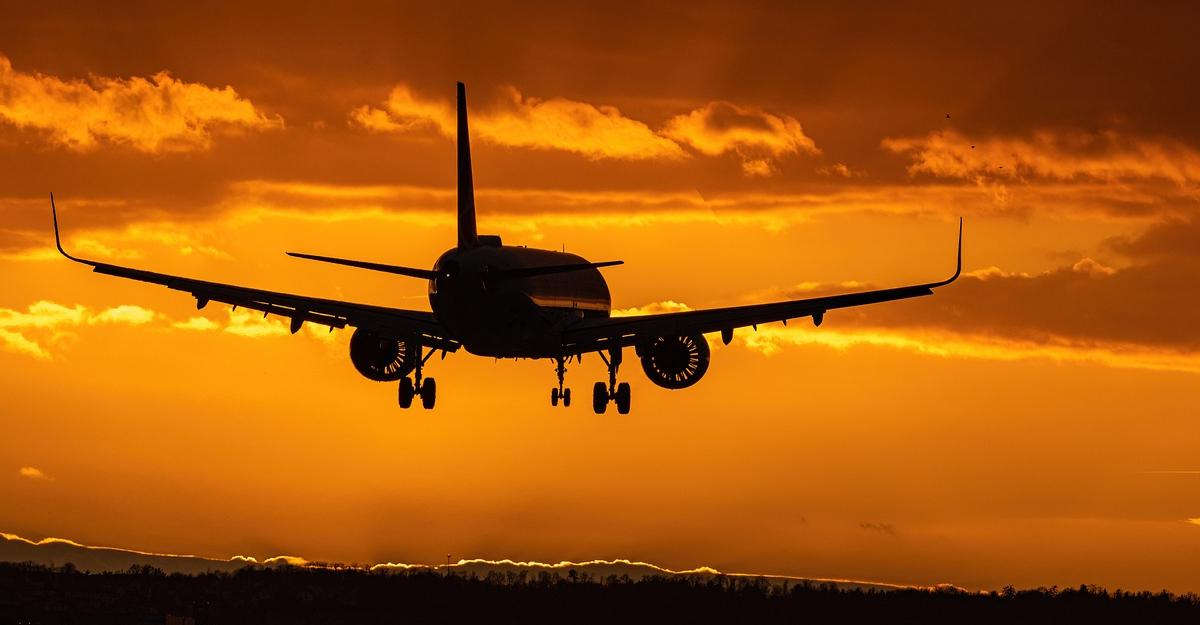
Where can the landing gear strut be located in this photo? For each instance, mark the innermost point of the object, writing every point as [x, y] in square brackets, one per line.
[426, 389]
[560, 393]
[617, 393]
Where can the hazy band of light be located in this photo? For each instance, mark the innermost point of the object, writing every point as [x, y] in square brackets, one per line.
[772, 339]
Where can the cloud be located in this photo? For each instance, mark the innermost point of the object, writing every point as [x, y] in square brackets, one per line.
[289, 560]
[1169, 239]
[47, 324]
[403, 111]
[1152, 305]
[252, 324]
[652, 308]
[158, 114]
[20, 331]
[196, 323]
[34, 474]
[883, 528]
[597, 132]
[18, 343]
[135, 315]
[1140, 315]
[1194, 521]
[43, 314]
[593, 131]
[943, 343]
[757, 137]
[1000, 163]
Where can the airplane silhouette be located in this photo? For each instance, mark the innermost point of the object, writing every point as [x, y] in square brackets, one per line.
[511, 302]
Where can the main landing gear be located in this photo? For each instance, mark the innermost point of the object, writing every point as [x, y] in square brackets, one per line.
[426, 389]
[616, 393]
[602, 393]
[560, 392]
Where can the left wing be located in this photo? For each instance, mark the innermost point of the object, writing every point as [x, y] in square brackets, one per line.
[393, 323]
[591, 334]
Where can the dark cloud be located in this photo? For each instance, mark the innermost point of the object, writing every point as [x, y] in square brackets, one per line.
[1154, 304]
[1178, 238]
[883, 528]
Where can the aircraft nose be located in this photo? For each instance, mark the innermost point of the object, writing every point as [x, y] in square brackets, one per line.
[448, 269]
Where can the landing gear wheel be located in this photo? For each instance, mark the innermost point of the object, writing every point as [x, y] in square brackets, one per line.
[428, 393]
[566, 396]
[407, 392]
[622, 398]
[553, 397]
[599, 398]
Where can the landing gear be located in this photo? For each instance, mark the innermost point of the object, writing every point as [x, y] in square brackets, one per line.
[426, 389]
[428, 393]
[560, 393]
[617, 393]
[599, 398]
[406, 392]
[621, 398]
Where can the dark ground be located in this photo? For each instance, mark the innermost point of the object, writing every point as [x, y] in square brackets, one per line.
[38, 594]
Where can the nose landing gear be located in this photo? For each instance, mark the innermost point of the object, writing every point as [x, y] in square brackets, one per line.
[560, 393]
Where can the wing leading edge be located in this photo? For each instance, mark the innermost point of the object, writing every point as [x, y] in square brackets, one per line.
[393, 323]
[599, 334]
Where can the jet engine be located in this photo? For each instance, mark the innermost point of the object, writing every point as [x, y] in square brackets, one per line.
[381, 359]
[675, 362]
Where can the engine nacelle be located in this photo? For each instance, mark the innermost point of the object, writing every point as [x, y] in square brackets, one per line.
[675, 361]
[380, 359]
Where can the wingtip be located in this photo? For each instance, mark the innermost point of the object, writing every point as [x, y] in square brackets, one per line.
[958, 264]
[958, 268]
[58, 238]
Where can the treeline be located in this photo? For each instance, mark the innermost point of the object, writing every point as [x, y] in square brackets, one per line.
[34, 593]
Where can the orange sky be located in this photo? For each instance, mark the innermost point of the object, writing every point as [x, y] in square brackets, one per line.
[1032, 424]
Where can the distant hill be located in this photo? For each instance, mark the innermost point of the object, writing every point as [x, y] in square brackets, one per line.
[58, 552]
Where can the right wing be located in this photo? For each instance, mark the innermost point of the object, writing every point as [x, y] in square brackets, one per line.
[592, 334]
[392, 323]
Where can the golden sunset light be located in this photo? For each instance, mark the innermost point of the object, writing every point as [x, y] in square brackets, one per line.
[1031, 424]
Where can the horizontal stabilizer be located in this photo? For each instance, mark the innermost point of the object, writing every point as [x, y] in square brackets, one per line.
[529, 272]
[412, 272]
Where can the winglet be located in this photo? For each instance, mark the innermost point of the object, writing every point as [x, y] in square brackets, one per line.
[57, 239]
[958, 269]
[468, 237]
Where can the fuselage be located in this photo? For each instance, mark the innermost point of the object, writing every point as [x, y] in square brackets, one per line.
[513, 317]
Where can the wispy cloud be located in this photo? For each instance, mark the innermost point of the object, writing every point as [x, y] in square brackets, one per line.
[943, 343]
[882, 528]
[44, 323]
[252, 324]
[559, 124]
[1001, 164]
[652, 308]
[757, 137]
[156, 114]
[34, 473]
[292, 560]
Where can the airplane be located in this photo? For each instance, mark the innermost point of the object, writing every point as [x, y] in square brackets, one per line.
[507, 301]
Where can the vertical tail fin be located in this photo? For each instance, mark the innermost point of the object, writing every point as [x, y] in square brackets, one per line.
[468, 237]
